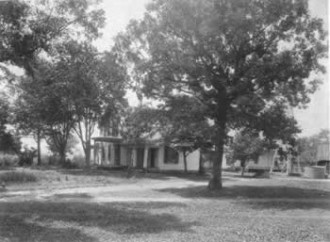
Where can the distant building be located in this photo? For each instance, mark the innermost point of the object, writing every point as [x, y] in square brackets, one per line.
[323, 155]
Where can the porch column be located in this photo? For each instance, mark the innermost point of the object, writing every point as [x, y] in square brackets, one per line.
[289, 164]
[145, 157]
[134, 157]
[106, 153]
[112, 154]
[95, 151]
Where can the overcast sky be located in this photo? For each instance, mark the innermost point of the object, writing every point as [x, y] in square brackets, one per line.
[311, 120]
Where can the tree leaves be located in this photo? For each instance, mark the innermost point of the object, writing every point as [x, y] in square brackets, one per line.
[236, 57]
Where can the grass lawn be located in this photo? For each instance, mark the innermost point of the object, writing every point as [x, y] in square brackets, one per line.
[166, 208]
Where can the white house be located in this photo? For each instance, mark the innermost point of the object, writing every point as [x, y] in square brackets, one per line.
[151, 154]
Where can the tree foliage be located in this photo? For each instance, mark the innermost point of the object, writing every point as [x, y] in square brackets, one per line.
[9, 142]
[140, 123]
[30, 29]
[246, 146]
[239, 58]
[184, 121]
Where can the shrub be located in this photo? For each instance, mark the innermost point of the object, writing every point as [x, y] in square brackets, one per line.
[70, 165]
[8, 160]
[53, 160]
[17, 177]
[26, 157]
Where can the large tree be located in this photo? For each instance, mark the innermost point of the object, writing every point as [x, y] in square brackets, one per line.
[239, 58]
[31, 33]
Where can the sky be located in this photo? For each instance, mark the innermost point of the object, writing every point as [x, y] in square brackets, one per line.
[310, 120]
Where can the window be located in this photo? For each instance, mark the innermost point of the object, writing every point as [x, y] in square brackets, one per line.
[102, 153]
[171, 156]
[109, 152]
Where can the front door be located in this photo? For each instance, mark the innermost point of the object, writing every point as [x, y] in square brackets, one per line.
[117, 154]
[153, 157]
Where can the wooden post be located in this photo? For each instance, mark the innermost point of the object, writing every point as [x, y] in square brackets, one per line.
[273, 161]
[112, 154]
[145, 157]
[134, 157]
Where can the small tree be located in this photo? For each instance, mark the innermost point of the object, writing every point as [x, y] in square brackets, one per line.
[9, 142]
[71, 143]
[246, 146]
[184, 125]
[27, 119]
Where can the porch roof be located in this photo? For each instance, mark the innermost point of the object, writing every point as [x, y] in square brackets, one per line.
[144, 142]
[109, 139]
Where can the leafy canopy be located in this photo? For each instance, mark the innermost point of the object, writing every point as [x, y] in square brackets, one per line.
[239, 58]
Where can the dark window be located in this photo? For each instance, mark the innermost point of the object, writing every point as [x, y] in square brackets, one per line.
[153, 152]
[171, 156]
[117, 154]
[109, 152]
[103, 153]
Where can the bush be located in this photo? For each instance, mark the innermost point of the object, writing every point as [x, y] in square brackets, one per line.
[53, 160]
[8, 160]
[70, 165]
[17, 177]
[26, 157]
[79, 160]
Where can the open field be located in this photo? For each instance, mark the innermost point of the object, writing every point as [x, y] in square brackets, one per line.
[106, 206]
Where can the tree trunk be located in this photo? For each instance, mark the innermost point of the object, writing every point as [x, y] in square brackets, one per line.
[62, 156]
[38, 147]
[185, 162]
[201, 167]
[242, 167]
[88, 153]
[216, 182]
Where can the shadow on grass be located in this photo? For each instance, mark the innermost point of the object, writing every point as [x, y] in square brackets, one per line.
[280, 197]
[15, 228]
[137, 174]
[72, 196]
[123, 219]
[123, 174]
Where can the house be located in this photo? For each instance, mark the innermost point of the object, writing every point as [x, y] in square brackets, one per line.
[151, 154]
[281, 159]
